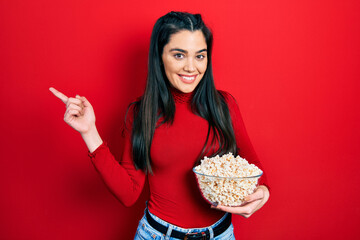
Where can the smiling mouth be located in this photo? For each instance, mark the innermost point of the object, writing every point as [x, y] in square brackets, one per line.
[187, 78]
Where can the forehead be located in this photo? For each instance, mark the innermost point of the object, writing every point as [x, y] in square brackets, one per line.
[187, 40]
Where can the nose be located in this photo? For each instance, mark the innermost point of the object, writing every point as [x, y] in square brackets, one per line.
[189, 65]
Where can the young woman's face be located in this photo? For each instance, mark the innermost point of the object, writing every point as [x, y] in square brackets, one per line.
[185, 59]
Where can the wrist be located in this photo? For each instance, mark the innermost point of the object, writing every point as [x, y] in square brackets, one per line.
[91, 131]
[92, 139]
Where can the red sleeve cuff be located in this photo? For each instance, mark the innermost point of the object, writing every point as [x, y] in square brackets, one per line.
[103, 146]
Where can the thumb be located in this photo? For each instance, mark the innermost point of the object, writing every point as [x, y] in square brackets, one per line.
[85, 102]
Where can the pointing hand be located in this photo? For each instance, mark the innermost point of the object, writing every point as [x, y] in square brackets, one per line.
[79, 113]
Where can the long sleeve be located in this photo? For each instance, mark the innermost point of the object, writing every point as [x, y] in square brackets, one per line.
[243, 143]
[122, 178]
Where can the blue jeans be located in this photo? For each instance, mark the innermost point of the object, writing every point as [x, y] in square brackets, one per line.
[146, 232]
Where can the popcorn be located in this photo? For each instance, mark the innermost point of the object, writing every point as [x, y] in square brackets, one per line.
[227, 180]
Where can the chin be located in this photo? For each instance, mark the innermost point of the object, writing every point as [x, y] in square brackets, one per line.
[186, 89]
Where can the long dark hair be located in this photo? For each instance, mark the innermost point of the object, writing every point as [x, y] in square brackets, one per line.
[157, 101]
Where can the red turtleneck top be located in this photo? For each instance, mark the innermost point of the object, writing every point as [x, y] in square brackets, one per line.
[174, 195]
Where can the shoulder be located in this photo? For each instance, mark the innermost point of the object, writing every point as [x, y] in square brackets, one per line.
[134, 105]
[228, 98]
[131, 112]
[232, 106]
[133, 108]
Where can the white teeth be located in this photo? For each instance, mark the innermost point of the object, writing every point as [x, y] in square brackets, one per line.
[188, 78]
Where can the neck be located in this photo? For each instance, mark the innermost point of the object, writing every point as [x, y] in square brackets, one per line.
[180, 97]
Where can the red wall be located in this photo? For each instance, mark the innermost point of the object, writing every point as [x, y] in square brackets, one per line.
[293, 66]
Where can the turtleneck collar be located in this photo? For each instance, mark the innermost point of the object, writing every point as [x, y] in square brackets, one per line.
[180, 97]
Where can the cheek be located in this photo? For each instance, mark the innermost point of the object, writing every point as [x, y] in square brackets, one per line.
[172, 67]
[203, 67]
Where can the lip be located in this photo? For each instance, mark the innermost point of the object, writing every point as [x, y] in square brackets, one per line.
[187, 81]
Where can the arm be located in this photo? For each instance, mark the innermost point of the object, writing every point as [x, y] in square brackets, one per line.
[123, 180]
[245, 149]
[243, 143]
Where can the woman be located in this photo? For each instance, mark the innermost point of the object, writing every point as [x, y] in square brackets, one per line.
[180, 119]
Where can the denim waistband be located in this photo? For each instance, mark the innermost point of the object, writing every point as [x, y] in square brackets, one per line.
[172, 227]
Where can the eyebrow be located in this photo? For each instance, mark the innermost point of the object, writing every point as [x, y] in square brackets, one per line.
[184, 51]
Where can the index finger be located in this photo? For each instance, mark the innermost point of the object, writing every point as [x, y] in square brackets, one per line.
[243, 209]
[59, 95]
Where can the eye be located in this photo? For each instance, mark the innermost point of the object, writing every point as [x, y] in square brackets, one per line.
[179, 56]
[200, 57]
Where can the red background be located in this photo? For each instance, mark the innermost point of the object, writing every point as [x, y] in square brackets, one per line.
[293, 66]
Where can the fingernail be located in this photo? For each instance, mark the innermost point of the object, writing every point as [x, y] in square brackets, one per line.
[215, 204]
